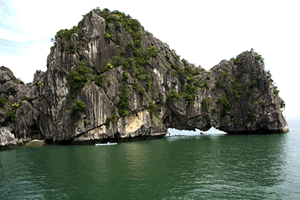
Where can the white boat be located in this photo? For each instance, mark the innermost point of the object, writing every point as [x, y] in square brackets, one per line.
[105, 144]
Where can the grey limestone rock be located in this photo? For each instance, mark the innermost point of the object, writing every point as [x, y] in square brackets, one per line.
[35, 143]
[7, 138]
[108, 79]
[6, 74]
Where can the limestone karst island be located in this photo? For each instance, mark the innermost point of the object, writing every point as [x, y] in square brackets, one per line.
[108, 79]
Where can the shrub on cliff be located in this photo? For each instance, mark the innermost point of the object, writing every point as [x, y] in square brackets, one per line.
[205, 103]
[226, 104]
[235, 61]
[153, 108]
[204, 84]
[108, 33]
[100, 79]
[152, 51]
[190, 92]
[275, 90]
[172, 95]
[65, 36]
[112, 118]
[138, 87]
[123, 105]
[3, 101]
[124, 101]
[117, 61]
[282, 104]
[11, 116]
[259, 57]
[80, 75]
[77, 106]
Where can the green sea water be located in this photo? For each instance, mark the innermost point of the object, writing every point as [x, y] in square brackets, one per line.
[186, 167]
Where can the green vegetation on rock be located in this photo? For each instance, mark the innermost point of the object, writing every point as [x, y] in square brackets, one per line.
[152, 51]
[282, 104]
[153, 108]
[173, 95]
[205, 103]
[243, 85]
[41, 84]
[100, 79]
[219, 84]
[260, 58]
[80, 75]
[77, 106]
[26, 99]
[136, 64]
[11, 115]
[188, 76]
[21, 82]
[235, 61]
[123, 105]
[65, 36]
[3, 101]
[275, 90]
[112, 118]
[214, 109]
[226, 104]
[86, 121]
[251, 116]
[138, 87]
[124, 101]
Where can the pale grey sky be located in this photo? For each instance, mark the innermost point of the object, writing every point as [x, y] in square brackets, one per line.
[203, 32]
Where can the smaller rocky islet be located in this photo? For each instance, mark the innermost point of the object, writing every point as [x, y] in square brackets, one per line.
[108, 79]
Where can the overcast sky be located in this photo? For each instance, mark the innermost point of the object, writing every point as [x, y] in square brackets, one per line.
[202, 32]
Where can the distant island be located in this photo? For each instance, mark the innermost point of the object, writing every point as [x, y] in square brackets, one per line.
[108, 79]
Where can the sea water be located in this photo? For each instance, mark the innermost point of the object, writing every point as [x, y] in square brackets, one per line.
[214, 166]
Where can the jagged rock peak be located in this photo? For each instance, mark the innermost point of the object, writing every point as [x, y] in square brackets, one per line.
[6, 75]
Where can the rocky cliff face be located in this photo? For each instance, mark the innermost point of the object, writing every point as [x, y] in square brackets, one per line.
[109, 79]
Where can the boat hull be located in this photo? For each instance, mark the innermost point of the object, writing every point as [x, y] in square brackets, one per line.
[105, 144]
